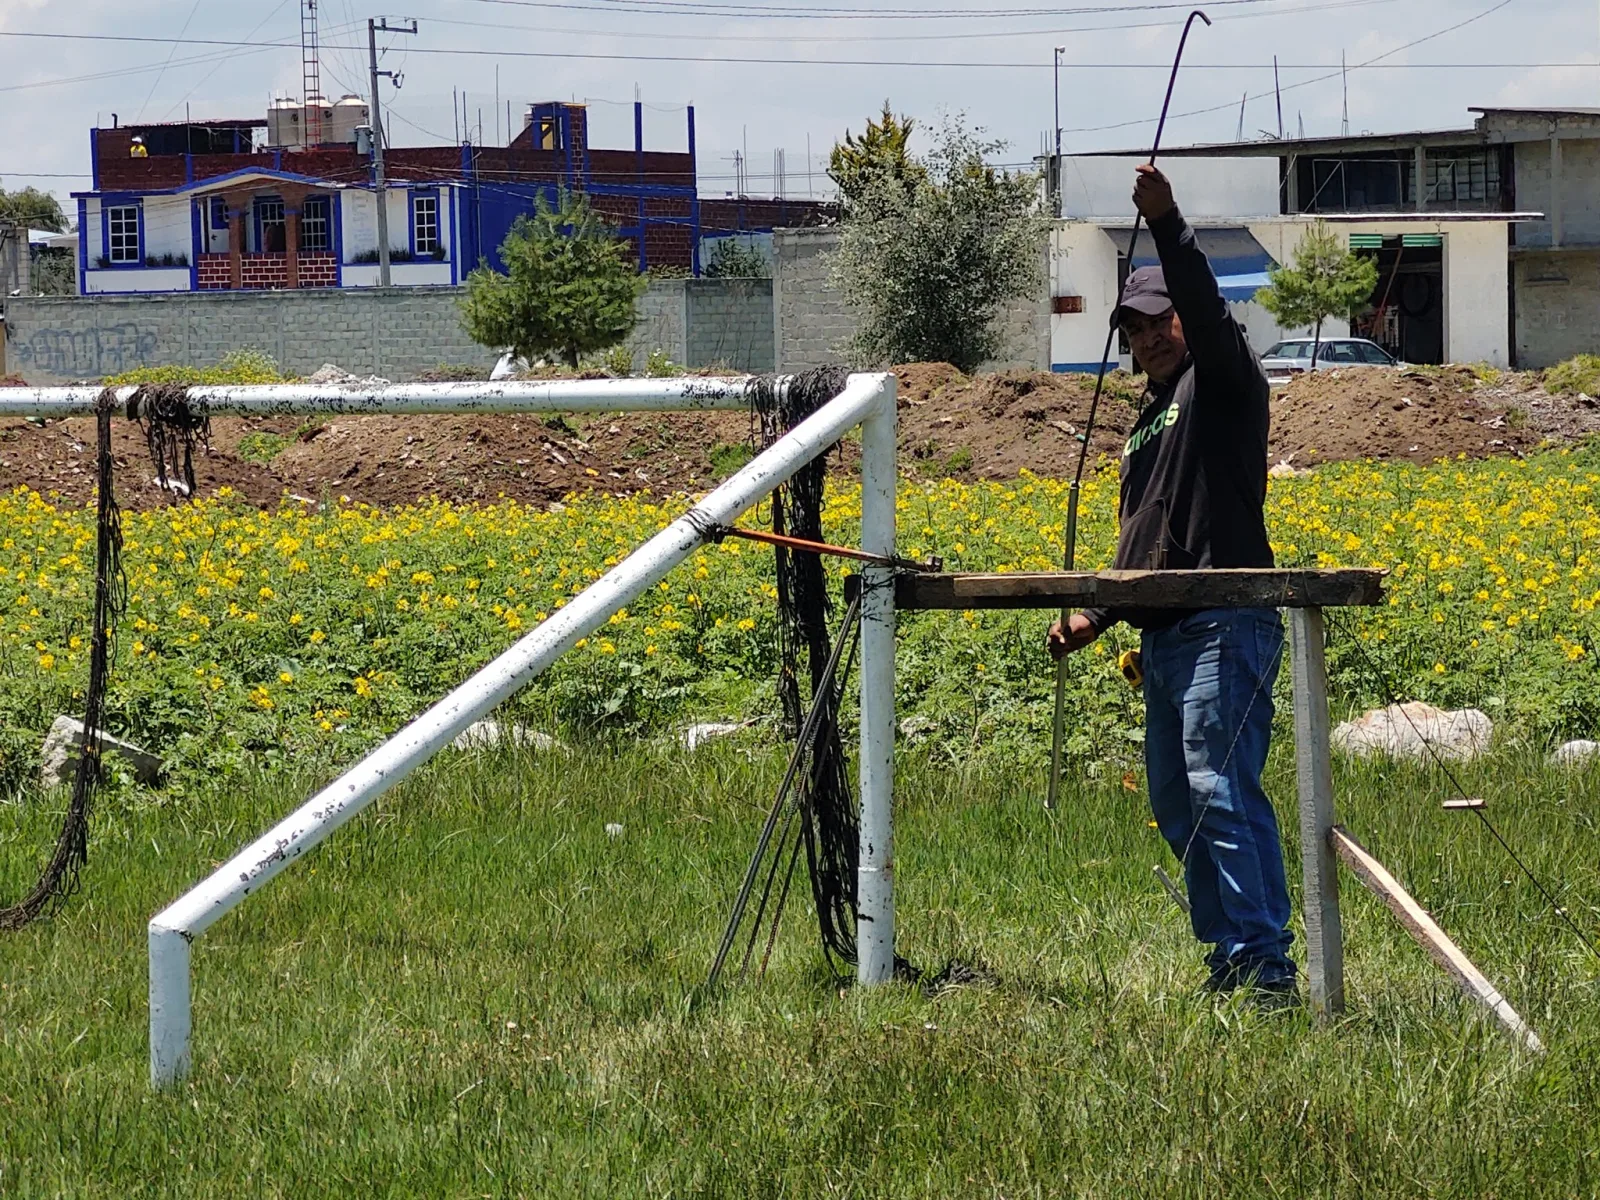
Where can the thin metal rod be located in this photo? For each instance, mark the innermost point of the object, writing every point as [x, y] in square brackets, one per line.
[1058, 726]
[802, 746]
[865, 398]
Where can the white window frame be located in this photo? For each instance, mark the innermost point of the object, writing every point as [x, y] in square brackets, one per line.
[123, 242]
[425, 232]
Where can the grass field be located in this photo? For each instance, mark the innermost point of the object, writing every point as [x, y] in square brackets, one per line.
[474, 991]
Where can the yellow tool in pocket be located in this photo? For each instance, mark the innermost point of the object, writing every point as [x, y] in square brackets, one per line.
[1131, 664]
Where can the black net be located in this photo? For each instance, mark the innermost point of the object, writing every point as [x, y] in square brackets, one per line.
[59, 878]
[829, 823]
[172, 424]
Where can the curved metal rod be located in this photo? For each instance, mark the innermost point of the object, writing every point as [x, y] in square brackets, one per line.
[1058, 729]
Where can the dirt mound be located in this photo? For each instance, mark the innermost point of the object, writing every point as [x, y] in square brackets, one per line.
[967, 427]
[1416, 415]
[992, 426]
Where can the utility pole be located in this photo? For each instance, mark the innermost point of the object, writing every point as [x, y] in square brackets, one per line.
[1055, 165]
[379, 139]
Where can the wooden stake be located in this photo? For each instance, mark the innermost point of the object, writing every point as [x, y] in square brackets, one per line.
[1429, 936]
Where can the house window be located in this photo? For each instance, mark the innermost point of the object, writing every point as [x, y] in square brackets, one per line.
[314, 225]
[425, 224]
[219, 213]
[270, 237]
[122, 234]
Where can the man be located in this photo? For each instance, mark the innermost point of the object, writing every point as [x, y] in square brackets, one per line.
[1194, 479]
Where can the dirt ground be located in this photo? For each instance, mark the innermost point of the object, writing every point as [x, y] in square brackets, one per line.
[982, 427]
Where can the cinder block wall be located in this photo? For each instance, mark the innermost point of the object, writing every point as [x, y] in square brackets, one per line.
[729, 322]
[1557, 294]
[814, 325]
[395, 333]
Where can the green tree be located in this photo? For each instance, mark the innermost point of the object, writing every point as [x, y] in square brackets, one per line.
[32, 209]
[928, 259]
[882, 152]
[734, 259]
[569, 289]
[1326, 280]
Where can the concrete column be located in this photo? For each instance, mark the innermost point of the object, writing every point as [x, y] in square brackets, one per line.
[1556, 216]
[1420, 158]
[1292, 185]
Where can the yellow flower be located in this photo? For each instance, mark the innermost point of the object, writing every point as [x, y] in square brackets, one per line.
[363, 688]
[317, 637]
[285, 677]
[47, 662]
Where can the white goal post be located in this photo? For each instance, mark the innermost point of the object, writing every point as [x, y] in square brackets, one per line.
[867, 401]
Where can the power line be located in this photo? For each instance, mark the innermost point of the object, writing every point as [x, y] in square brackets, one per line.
[156, 82]
[1371, 62]
[968, 35]
[1013, 65]
[711, 8]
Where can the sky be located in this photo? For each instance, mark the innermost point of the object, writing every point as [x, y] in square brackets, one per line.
[809, 71]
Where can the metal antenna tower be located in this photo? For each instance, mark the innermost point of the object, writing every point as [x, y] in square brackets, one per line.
[311, 69]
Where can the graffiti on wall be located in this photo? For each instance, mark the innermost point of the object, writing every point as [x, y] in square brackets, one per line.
[85, 353]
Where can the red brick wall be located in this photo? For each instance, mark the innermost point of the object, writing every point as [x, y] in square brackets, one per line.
[261, 271]
[214, 272]
[319, 270]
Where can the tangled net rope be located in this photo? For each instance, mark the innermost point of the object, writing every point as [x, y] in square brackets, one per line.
[830, 824]
[60, 877]
[171, 426]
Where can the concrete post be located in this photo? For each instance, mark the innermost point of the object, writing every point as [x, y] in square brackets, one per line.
[1557, 217]
[1420, 160]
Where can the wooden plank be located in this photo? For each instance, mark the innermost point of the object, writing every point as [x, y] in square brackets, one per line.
[1314, 769]
[1143, 589]
[1430, 937]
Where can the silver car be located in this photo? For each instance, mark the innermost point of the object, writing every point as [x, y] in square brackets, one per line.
[1290, 358]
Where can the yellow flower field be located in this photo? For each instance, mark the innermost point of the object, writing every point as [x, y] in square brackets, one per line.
[267, 633]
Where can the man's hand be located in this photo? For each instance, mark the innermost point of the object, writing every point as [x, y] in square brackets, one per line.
[1152, 193]
[1078, 634]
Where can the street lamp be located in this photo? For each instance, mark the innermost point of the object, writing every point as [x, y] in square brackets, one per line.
[1055, 164]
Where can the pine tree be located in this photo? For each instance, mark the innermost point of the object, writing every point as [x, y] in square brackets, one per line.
[569, 289]
[1325, 281]
[882, 152]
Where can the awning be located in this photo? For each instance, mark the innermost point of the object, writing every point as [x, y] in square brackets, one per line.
[1240, 262]
[1239, 288]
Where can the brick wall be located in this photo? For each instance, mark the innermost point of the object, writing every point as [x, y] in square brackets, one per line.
[814, 325]
[215, 272]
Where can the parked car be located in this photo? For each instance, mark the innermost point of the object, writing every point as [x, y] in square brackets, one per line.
[1290, 358]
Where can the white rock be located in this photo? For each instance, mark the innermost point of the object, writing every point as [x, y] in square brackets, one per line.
[613, 830]
[60, 754]
[485, 734]
[1408, 730]
[698, 735]
[329, 373]
[1574, 754]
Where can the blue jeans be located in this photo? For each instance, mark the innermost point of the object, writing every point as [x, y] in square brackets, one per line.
[1208, 722]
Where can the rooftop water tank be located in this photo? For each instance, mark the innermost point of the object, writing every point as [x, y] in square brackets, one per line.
[350, 112]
